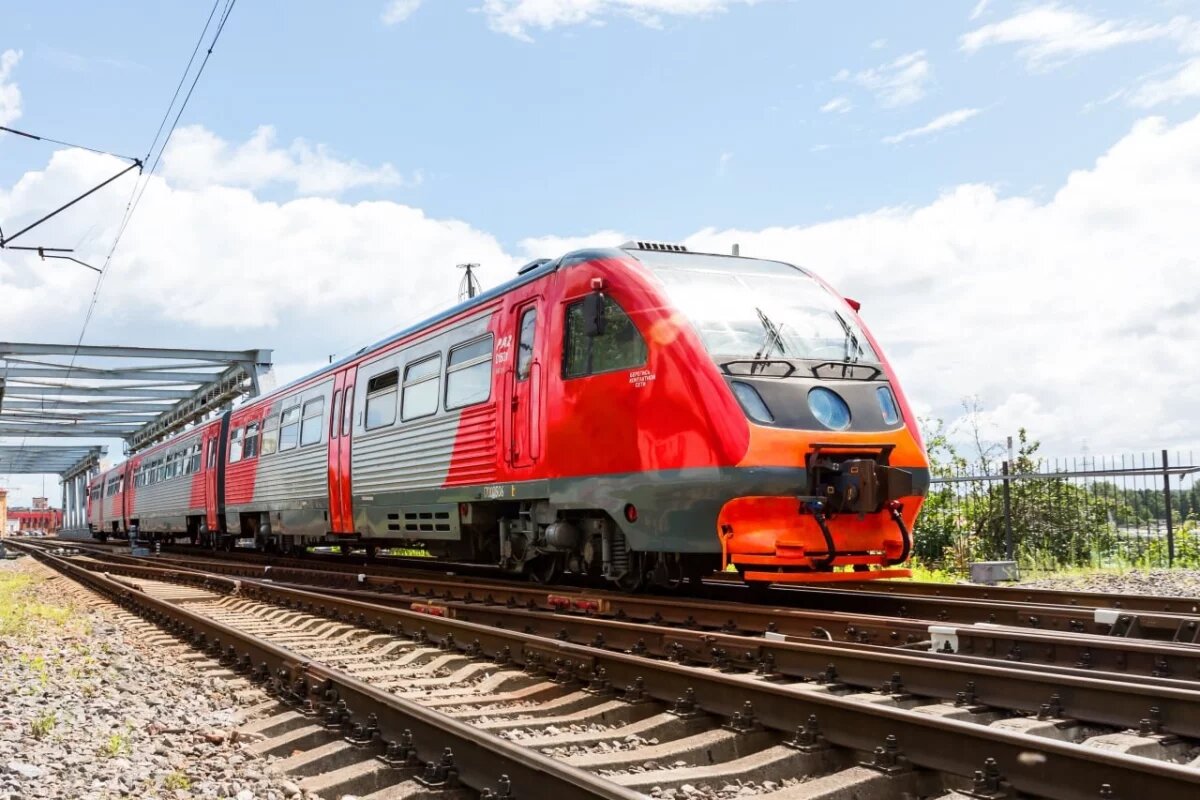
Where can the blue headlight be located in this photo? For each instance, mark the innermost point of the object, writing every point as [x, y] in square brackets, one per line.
[887, 404]
[752, 402]
[829, 409]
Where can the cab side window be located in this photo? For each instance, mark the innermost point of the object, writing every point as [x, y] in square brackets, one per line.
[621, 346]
[525, 343]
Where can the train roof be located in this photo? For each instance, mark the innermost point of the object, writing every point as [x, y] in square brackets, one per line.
[528, 273]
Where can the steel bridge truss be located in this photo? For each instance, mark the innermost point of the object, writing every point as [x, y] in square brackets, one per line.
[139, 394]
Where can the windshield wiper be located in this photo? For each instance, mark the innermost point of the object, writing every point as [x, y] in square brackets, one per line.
[774, 339]
[851, 341]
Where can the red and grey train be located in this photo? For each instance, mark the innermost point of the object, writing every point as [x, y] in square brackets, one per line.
[643, 413]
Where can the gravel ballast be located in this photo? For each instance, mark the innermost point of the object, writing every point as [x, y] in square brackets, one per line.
[88, 709]
[1157, 582]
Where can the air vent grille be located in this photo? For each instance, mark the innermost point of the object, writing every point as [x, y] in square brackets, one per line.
[662, 247]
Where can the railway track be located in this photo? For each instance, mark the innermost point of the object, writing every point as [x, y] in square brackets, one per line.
[581, 704]
[1172, 619]
[1086, 648]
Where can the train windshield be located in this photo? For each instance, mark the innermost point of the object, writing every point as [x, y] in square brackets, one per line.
[760, 309]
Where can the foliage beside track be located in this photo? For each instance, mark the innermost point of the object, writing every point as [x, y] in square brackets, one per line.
[21, 612]
[1056, 523]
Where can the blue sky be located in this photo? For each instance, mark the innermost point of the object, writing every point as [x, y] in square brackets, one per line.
[710, 119]
[1010, 188]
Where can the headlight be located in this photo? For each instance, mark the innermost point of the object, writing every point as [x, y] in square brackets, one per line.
[887, 405]
[752, 402]
[829, 409]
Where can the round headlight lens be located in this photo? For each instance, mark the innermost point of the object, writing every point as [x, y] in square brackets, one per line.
[829, 409]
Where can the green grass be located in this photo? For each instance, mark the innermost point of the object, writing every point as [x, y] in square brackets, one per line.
[177, 780]
[41, 725]
[117, 744]
[926, 573]
[21, 613]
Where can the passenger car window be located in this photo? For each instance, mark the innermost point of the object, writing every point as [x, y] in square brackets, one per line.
[381, 399]
[235, 447]
[421, 388]
[469, 373]
[621, 346]
[250, 448]
[289, 429]
[270, 435]
[312, 424]
[525, 343]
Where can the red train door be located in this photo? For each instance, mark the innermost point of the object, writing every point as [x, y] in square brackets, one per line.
[341, 424]
[212, 441]
[525, 438]
[127, 494]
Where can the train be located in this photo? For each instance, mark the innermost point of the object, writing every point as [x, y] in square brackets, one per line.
[644, 414]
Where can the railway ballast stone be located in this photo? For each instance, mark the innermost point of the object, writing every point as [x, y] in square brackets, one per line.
[90, 709]
[1158, 582]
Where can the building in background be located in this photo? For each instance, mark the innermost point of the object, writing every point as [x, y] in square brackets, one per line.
[39, 517]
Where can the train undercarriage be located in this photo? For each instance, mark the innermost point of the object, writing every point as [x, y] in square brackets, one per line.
[530, 539]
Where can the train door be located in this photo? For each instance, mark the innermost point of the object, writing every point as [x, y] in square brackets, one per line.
[525, 438]
[211, 444]
[126, 489]
[341, 423]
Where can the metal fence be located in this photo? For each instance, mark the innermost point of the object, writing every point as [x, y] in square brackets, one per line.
[1132, 510]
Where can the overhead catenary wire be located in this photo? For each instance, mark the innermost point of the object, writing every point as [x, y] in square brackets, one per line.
[36, 137]
[182, 78]
[144, 179]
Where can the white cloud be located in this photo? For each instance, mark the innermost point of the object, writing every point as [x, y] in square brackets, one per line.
[1074, 315]
[516, 17]
[1050, 34]
[879, 44]
[978, 10]
[1183, 85]
[396, 11]
[1084, 303]
[196, 157]
[554, 246]
[951, 119]
[896, 83]
[1184, 81]
[723, 163]
[10, 94]
[838, 105]
[310, 276]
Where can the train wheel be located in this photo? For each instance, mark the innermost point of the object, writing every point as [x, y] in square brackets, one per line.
[547, 569]
[631, 581]
[635, 578]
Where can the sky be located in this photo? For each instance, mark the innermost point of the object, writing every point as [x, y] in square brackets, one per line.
[1010, 189]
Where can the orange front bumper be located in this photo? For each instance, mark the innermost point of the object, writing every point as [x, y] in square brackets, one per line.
[772, 533]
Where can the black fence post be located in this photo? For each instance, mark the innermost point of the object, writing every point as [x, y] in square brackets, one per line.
[1166, 465]
[1008, 536]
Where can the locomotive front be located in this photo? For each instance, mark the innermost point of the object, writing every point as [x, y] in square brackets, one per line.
[835, 471]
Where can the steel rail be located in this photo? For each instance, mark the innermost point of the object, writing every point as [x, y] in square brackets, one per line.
[1183, 606]
[954, 605]
[1028, 645]
[970, 681]
[1066, 619]
[480, 758]
[1040, 766]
